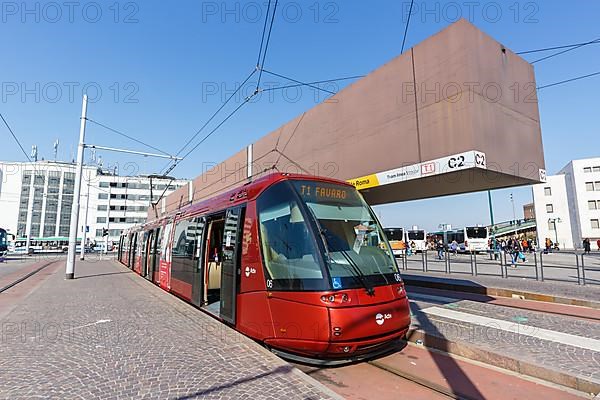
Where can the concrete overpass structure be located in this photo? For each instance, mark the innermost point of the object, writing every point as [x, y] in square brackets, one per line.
[457, 113]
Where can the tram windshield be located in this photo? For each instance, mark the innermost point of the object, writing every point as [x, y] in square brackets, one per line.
[358, 253]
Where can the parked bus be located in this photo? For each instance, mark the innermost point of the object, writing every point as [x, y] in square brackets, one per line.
[419, 237]
[44, 245]
[397, 240]
[476, 238]
[470, 238]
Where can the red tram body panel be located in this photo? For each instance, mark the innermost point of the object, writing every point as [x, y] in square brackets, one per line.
[298, 263]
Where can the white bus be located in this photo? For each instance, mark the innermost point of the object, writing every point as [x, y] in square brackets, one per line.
[476, 238]
[418, 237]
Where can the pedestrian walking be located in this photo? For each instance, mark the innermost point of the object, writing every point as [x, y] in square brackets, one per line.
[598, 244]
[454, 247]
[440, 249]
[587, 247]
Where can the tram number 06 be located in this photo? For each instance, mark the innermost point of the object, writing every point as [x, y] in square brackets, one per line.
[397, 277]
[270, 283]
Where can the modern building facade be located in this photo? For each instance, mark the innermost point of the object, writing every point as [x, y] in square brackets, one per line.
[573, 196]
[529, 211]
[36, 199]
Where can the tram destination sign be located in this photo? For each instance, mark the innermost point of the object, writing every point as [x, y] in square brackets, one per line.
[444, 165]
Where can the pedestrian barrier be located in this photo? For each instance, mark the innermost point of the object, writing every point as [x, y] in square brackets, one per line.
[546, 267]
[560, 266]
[590, 265]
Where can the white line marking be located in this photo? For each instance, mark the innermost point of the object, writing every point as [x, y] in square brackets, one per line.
[527, 330]
[102, 321]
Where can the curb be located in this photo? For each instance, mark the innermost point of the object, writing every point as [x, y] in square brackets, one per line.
[503, 361]
[499, 292]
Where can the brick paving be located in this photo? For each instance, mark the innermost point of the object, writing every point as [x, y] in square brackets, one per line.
[573, 361]
[111, 334]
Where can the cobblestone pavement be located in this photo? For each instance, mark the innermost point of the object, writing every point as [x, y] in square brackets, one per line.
[524, 344]
[111, 334]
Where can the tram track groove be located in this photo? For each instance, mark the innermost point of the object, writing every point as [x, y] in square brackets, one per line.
[418, 380]
[25, 277]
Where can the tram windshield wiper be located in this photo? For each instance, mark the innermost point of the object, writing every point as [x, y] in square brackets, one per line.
[359, 274]
[352, 266]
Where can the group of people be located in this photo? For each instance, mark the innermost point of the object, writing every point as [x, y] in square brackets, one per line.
[587, 245]
[409, 249]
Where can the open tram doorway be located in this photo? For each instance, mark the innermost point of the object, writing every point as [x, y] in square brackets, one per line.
[221, 265]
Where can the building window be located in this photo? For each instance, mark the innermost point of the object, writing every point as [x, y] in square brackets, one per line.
[587, 169]
[597, 186]
[101, 220]
[592, 205]
[596, 169]
[548, 191]
[552, 225]
[102, 196]
[595, 224]
[549, 208]
[103, 184]
[589, 186]
[102, 208]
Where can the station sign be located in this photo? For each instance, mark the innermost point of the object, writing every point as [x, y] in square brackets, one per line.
[444, 165]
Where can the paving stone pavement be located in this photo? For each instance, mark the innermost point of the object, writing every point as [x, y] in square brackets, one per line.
[111, 334]
[574, 361]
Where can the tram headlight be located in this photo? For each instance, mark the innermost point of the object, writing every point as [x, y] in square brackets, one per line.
[400, 290]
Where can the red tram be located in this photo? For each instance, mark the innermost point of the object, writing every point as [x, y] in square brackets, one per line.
[298, 263]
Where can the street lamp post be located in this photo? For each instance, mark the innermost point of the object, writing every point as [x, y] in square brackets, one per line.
[70, 269]
[554, 221]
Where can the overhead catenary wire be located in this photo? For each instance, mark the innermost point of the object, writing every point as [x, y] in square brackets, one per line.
[568, 80]
[15, 137]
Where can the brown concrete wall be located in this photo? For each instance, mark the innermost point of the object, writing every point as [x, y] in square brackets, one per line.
[457, 91]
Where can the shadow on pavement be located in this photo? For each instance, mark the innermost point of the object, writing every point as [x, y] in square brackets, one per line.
[99, 275]
[285, 369]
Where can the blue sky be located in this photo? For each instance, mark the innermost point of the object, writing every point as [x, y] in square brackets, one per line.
[158, 70]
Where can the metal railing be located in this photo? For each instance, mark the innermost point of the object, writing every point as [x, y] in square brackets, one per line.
[559, 266]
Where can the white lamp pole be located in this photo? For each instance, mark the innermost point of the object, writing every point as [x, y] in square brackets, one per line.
[72, 254]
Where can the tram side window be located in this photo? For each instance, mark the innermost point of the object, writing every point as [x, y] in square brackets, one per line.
[164, 245]
[184, 254]
[288, 248]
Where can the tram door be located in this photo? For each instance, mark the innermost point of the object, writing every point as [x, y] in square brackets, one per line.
[231, 259]
[144, 253]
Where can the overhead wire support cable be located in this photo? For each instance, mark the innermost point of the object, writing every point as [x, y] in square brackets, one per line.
[299, 82]
[313, 83]
[262, 40]
[406, 28]
[15, 137]
[568, 80]
[210, 133]
[127, 136]
[557, 47]
[199, 131]
[566, 51]
[264, 56]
